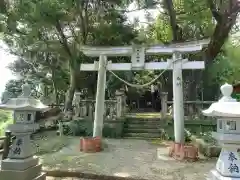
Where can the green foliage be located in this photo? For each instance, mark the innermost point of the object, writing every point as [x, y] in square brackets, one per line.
[5, 120]
[161, 30]
[225, 68]
[170, 134]
[47, 37]
[14, 88]
[236, 96]
[208, 138]
[85, 128]
[78, 128]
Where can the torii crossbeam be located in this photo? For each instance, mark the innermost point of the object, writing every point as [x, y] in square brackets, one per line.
[137, 54]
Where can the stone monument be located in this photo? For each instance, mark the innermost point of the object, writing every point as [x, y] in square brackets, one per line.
[227, 110]
[21, 163]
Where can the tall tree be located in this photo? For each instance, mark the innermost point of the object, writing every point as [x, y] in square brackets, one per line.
[56, 29]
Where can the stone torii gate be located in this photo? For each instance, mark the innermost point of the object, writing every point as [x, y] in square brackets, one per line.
[137, 53]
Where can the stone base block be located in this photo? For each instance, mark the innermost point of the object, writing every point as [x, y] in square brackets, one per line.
[215, 175]
[183, 151]
[19, 164]
[29, 174]
[90, 145]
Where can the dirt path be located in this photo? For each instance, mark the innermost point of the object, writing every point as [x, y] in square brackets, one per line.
[123, 157]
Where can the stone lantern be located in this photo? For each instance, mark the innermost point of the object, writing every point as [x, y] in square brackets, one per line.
[21, 163]
[227, 110]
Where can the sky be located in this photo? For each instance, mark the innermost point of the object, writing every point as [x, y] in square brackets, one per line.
[5, 73]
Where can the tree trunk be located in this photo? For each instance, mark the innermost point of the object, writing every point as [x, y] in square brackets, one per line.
[74, 71]
[55, 89]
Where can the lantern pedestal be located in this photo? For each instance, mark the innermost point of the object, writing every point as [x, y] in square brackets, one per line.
[31, 173]
[227, 167]
[21, 163]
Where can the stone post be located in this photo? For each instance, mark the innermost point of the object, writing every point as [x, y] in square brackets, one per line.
[164, 108]
[84, 109]
[120, 103]
[112, 109]
[124, 104]
[76, 103]
[90, 110]
[21, 163]
[60, 127]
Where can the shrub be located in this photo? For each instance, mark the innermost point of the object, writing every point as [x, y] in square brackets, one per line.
[111, 129]
[78, 128]
[5, 120]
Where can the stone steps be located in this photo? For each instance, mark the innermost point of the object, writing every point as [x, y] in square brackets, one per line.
[142, 128]
[143, 121]
[132, 119]
[143, 135]
[147, 130]
[142, 138]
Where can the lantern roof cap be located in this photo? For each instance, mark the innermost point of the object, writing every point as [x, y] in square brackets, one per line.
[24, 101]
[226, 106]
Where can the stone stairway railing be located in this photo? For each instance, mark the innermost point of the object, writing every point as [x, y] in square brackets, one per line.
[86, 108]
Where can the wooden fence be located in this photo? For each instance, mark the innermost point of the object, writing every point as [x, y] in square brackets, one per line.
[6, 145]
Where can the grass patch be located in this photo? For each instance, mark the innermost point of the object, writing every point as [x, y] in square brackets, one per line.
[5, 120]
[50, 143]
[159, 142]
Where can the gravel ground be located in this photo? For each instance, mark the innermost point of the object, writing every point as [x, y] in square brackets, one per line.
[128, 158]
[52, 178]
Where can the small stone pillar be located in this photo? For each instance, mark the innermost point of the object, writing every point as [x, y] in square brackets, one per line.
[21, 163]
[76, 103]
[120, 103]
[164, 108]
[90, 110]
[84, 109]
[227, 110]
